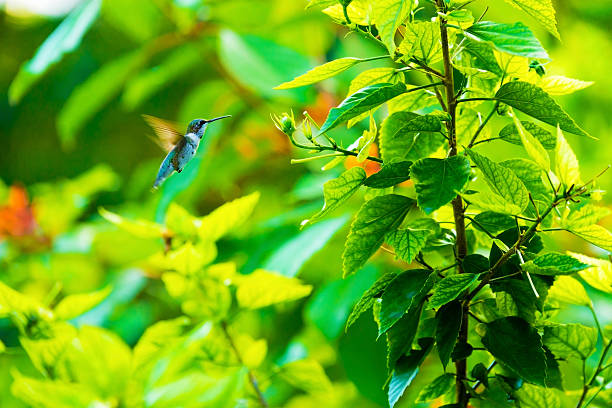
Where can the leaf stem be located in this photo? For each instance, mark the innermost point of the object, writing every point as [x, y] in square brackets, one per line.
[482, 125]
[252, 379]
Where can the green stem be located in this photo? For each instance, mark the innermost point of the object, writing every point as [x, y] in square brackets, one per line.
[482, 125]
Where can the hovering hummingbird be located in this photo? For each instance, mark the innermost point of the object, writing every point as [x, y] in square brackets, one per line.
[181, 148]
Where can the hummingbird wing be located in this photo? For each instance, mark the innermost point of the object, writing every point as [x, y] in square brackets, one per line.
[168, 133]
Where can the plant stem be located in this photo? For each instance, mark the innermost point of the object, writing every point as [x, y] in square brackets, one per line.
[252, 379]
[458, 214]
[482, 125]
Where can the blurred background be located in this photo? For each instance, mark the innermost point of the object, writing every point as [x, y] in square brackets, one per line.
[73, 139]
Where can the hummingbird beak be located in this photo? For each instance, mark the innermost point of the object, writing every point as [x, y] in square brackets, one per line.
[220, 117]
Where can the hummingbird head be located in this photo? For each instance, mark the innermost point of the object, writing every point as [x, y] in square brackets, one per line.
[198, 126]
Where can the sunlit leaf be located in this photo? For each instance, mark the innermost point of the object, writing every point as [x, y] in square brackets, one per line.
[510, 134]
[566, 340]
[568, 290]
[53, 394]
[533, 101]
[388, 16]
[533, 396]
[560, 85]
[65, 38]
[317, 74]
[262, 288]
[408, 242]
[566, 163]
[408, 136]
[515, 39]
[228, 217]
[532, 145]
[139, 228]
[374, 219]
[390, 175]
[74, 305]
[599, 275]
[595, 234]
[422, 41]
[450, 287]
[307, 375]
[541, 10]
[554, 263]
[438, 387]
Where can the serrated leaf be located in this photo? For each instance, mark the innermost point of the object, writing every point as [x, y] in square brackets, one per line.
[585, 216]
[560, 85]
[75, 305]
[533, 101]
[533, 396]
[307, 375]
[595, 234]
[437, 181]
[369, 297]
[399, 295]
[422, 41]
[262, 288]
[476, 57]
[388, 16]
[338, 190]
[554, 263]
[390, 175]
[229, 216]
[517, 345]
[64, 39]
[569, 290]
[541, 10]
[450, 287]
[362, 101]
[317, 74]
[510, 134]
[502, 181]
[515, 297]
[438, 387]
[566, 340]
[532, 145]
[406, 135]
[374, 219]
[406, 369]
[402, 334]
[490, 201]
[598, 275]
[373, 76]
[408, 242]
[532, 177]
[359, 11]
[566, 163]
[515, 39]
[448, 319]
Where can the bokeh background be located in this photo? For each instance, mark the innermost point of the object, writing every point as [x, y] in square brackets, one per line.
[75, 140]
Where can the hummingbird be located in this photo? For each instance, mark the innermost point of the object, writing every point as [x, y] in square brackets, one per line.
[181, 148]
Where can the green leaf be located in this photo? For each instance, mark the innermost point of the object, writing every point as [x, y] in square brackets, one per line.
[307, 375]
[227, 218]
[532, 177]
[406, 369]
[374, 76]
[438, 387]
[517, 345]
[53, 394]
[64, 39]
[569, 290]
[493, 222]
[533, 396]
[533, 101]
[388, 16]
[422, 41]
[267, 63]
[554, 263]
[502, 181]
[585, 216]
[599, 275]
[75, 305]
[374, 219]
[566, 164]
[360, 102]
[448, 319]
[475, 57]
[403, 332]
[515, 297]
[406, 135]
[450, 287]
[566, 340]
[541, 10]
[532, 145]
[399, 295]
[560, 85]
[437, 181]
[338, 190]
[262, 288]
[321, 3]
[389, 175]
[317, 74]
[595, 234]
[510, 134]
[139, 228]
[408, 242]
[91, 96]
[369, 297]
[515, 39]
